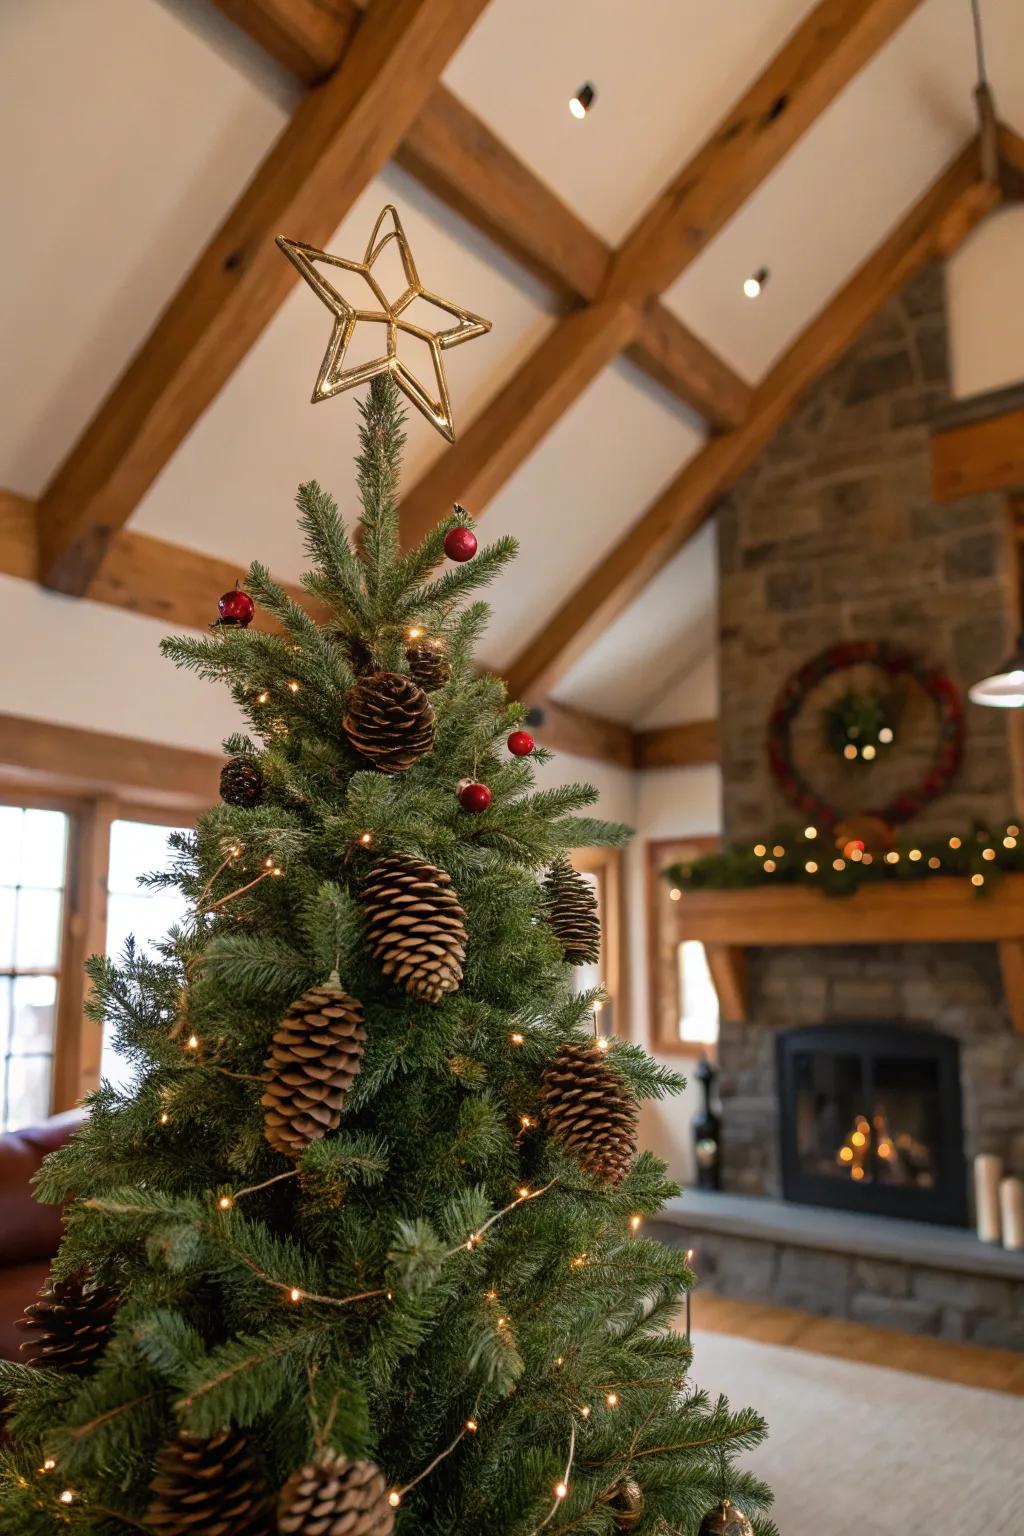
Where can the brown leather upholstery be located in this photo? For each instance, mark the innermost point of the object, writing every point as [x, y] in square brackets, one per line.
[29, 1232]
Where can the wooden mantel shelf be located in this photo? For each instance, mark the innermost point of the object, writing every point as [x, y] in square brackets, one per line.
[938, 910]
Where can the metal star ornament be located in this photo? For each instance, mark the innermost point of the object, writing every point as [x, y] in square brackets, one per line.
[334, 376]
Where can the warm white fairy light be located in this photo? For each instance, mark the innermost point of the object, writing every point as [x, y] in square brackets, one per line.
[778, 851]
[892, 857]
[294, 1294]
[769, 866]
[560, 1490]
[934, 863]
[612, 1399]
[165, 1118]
[471, 1426]
[263, 698]
[634, 1223]
[68, 1496]
[523, 1191]
[525, 1122]
[603, 1044]
[977, 879]
[516, 1038]
[810, 832]
[760, 850]
[225, 1203]
[584, 1410]
[811, 867]
[1009, 841]
[414, 633]
[675, 894]
[954, 842]
[366, 838]
[394, 1498]
[192, 1043]
[48, 1464]
[988, 853]
[914, 855]
[838, 863]
[293, 685]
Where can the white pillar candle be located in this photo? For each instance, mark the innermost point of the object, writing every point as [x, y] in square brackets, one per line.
[988, 1171]
[1011, 1209]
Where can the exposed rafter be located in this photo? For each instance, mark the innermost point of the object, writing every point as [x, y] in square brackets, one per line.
[822, 55]
[935, 225]
[338, 138]
[691, 744]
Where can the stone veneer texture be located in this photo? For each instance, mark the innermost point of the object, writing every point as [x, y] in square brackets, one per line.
[833, 535]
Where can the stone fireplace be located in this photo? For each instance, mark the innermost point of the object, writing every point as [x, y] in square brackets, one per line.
[833, 536]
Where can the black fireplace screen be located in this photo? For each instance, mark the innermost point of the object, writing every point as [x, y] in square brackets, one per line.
[870, 1120]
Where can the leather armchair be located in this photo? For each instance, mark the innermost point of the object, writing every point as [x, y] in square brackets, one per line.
[29, 1233]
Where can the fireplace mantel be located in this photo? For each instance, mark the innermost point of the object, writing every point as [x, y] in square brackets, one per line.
[938, 910]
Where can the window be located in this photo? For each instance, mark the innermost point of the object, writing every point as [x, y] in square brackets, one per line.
[33, 873]
[136, 848]
[698, 999]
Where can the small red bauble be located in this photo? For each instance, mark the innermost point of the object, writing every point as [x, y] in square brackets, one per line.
[520, 743]
[236, 608]
[460, 544]
[474, 797]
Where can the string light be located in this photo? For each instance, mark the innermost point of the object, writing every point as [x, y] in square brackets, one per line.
[867, 752]
[1013, 831]
[525, 1122]
[366, 838]
[760, 850]
[914, 855]
[838, 863]
[68, 1496]
[523, 1191]
[48, 1464]
[934, 863]
[394, 1498]
[675, 893]
[471, 1426]
[192, 1043]
[165, 1118]
[954, 842]
[811, 867]
[988, 853]
[225, 1203]
[778, 851]
[634, 1223]
[612, 1399]
[769, 866]
[516, 1038]
[293, 685]
[867, 858]
[560, 1490]
[977, 879]
[810, 832]
[414, 633]
[263, 698]
[603, 1044]
[491, 1295]
[850, 751]
[294, 1294]
[892, 857]
[1009, 841]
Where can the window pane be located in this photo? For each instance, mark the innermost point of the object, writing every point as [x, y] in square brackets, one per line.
[43, 849]
[10, 843]
[28, 1090]
[34, 1014]
[698, 1020]
[136, 848]
[8, 903]
[37, 930]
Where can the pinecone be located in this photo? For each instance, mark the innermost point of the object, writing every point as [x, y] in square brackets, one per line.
[415, 925]
[314, 1060]
[335, 1497]
[570, 907]
[209, 1488]
[428, 664]
[591, 1110]
[70, 1324]
[241, 782]
[389, 720]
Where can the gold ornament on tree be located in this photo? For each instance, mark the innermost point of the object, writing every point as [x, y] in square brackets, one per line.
[725, 1520]
[627, 1502]
[314, 1060]
[389, 314]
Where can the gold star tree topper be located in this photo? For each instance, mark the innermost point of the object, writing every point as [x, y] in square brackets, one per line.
[334, 376]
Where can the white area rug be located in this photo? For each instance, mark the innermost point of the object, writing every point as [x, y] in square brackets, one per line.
[856, 1450]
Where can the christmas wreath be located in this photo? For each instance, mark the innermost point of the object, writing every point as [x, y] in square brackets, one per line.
[896, 664]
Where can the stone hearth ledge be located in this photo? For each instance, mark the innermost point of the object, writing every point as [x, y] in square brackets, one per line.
[685, 1218]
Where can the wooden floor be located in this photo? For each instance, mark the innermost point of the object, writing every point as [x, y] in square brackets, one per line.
[997, 1369]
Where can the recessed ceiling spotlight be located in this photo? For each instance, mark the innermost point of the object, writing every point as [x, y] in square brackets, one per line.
[581, 103]
[752, 285]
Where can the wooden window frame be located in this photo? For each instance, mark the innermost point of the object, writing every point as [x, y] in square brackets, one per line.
[607, 865]
[77, 1043]
[662, 968]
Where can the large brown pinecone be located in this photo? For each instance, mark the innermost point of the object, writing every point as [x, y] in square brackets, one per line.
[570, 907]
[209, 1488]
[69, 1324]
[415, 926]
[591, 1110]
[241, 782]
[333, 1496]
[314, 1060]
[428, 664]
[390, 721]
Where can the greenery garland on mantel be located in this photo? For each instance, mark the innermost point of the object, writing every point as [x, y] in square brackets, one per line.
[810, 858]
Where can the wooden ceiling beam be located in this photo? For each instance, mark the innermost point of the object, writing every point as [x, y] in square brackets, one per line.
[941, 218]
[690, 744]
[985, 455]
[339, 136]
[563, 728]
[821, 56]
[307, 37]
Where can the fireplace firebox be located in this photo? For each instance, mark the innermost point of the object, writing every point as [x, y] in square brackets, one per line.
[871, 1121]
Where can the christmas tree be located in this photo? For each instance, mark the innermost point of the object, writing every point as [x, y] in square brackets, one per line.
[361, 1249]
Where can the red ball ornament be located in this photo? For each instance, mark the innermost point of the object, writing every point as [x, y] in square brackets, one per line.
[520, 743]
[236, 608]
[474, 797]
[460, 544]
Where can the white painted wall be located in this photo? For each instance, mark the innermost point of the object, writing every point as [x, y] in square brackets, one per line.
[985, 310]
[100, 668]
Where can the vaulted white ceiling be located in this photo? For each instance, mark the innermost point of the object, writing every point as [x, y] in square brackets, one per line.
[131, 126]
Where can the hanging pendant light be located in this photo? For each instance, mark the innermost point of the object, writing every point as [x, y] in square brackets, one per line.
[1005, 688]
